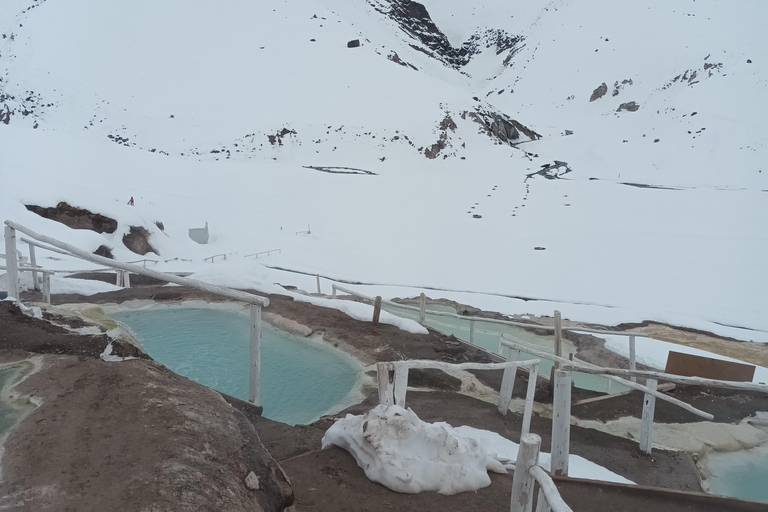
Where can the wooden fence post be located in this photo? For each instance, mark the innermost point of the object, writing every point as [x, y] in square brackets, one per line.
[632, 357]
[47, 288]
[422, 307]
[126, 279]
[318, 284]
[558, 337]
[333, 291]
[33, 264]
[472, 332]
[508, 383]
[561, 422]
[646, 427]
[533, 375]
[11, 263]
[376, 310]
[254, 373]
[401, 383]
[522, 481]
[385, 380]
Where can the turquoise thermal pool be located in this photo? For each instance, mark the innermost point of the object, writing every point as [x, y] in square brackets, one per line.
[740, 474]
[13, 409]
[300, 379]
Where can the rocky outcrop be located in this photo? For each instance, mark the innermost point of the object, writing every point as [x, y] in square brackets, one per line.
[76, 218]
[137, 240]
[630, 106]
[599, 92]
[414, 19]
[500, 126]
[104, 251]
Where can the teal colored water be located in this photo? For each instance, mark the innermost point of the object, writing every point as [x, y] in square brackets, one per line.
[487, 337]
[300, 379]
[740, 474]
[12, 410]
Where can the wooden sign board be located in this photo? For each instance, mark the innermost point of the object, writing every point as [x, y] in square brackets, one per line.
[708, 368]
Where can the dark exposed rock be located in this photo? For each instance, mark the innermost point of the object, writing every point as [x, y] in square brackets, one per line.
[500, 126]
[160, 225]
[278, 137]
[353, 43]
[432, 151]
[414, 19]
[599, 92]
[137, 240]
[104, 251]
[630, 106]
[76, 218]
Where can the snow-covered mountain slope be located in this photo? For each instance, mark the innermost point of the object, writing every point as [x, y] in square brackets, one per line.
[242, 114]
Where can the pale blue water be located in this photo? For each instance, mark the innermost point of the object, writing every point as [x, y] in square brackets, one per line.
[487, 337]
[300, 379]
[12, 410]
[740, 474]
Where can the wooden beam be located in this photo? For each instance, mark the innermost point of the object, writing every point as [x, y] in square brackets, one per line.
[11, 262]
[376, 310]
[254, 370]
[522, 480]
[646, 426]
[561, 423]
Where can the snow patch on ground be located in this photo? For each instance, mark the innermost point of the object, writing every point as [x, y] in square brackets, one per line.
[398, 450]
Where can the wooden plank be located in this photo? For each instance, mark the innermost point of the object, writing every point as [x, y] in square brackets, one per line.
[522, 480]
[646, 425]
[558, 337]
[33, 264]
[376, 310]
[318, 284]
[422, 307]
[549, 489]
[11, 262]
[47, 288]
[708, 368]
[385, 381]
[508, 383]
[632, 357]
[401, 383]
[533, 374]
[561, 422]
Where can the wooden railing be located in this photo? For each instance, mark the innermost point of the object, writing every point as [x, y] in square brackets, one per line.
[267, 253]
[392, 379]
[528, 473]
[211, 258]
[256, 301]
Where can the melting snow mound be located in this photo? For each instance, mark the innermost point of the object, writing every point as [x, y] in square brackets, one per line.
[398, 450]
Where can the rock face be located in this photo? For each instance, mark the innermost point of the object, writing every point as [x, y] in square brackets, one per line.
[502, 127]
[137, 240]
[76, 218]
[105, 251]
[629, 106]
[353, 43]
[599, 92]
[414, 19]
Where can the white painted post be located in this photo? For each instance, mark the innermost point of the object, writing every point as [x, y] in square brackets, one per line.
[472, 332]
[558, 337]
[522, 481]
[47, 287]
[533, 375]
[119, 278]
[126, 279]
[333, 290]
[318, 284]
[422, 307]
[11, 263]
[33, 263]
[508, 383]
[401, 383]
[632, 358]
[385, 381]
[646, 426]
[561, 422]
[254, 371]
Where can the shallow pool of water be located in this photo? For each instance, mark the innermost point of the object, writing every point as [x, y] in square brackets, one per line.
[300, 379]
[13, 409]
[487, 337]
[741, 474]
